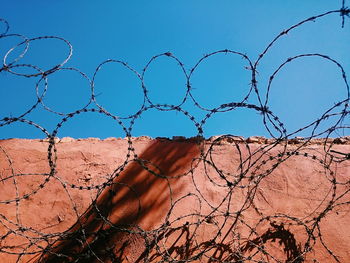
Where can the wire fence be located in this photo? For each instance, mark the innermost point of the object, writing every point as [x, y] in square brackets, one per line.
[100, 234]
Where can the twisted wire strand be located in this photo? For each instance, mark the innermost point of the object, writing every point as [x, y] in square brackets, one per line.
[97, 236]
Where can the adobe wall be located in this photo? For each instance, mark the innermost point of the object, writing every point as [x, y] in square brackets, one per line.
[226, 199]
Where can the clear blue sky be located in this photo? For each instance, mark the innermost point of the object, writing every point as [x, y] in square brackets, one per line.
[135, 31]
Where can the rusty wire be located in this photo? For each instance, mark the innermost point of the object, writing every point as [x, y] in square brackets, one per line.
[249, 176]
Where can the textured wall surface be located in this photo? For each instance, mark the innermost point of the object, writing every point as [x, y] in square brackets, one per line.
[226, 199]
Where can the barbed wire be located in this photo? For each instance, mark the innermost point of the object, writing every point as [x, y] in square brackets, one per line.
[107, 230]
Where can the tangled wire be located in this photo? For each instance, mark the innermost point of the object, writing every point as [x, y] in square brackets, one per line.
[212, 229]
